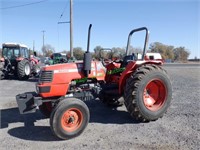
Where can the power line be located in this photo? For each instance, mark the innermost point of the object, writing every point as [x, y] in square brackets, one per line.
[62, 22]
[23, 5]
[64, 10]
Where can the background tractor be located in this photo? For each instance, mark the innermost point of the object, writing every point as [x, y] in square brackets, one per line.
[141, 84]
[16, 60]
[58, 58]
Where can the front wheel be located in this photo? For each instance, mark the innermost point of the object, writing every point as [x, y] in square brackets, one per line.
[148, 93]
[69, 118]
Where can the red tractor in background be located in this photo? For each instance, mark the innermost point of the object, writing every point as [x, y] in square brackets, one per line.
[142, 85]
[16, 60]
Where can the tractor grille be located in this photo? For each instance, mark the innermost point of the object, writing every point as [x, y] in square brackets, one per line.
[46, 76]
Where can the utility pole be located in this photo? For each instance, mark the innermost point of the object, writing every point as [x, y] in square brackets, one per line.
[33, 45]
[71, 29]
[43, 31]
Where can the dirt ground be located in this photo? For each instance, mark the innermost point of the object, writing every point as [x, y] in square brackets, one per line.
[109, 128]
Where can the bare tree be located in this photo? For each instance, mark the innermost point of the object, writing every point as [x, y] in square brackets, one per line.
[48, 50]
[118, 52]
[97, 52]
[78, 53]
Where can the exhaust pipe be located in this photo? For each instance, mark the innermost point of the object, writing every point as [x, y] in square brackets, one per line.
[87, 56]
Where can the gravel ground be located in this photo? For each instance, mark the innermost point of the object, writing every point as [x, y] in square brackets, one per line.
[109, 128]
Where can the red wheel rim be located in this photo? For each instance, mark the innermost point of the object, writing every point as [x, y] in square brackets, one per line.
[71, 119]
[154, 95]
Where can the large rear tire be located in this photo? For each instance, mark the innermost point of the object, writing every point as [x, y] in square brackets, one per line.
[148, 93]
[69, 118]
[23, 70]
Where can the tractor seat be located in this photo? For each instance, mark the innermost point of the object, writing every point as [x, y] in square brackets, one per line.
[127, 59]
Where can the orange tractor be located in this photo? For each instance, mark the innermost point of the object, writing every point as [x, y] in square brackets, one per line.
[141, 84]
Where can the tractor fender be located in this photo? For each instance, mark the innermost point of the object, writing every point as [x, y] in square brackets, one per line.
[130, 68]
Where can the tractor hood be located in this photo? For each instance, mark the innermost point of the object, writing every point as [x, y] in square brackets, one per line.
[65, 73]
[64, 68]
[57, 78]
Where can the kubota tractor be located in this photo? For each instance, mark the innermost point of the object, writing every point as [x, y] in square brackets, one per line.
[142, 84]
[17, 61]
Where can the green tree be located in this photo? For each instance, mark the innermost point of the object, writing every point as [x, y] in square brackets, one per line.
[181, 54]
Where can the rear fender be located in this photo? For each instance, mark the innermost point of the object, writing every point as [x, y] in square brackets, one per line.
[126, 74]
[130, 68]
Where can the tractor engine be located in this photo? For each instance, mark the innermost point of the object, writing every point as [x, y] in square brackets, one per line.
[84, 89]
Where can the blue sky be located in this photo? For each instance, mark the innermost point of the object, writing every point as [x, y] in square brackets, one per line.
[171, 22]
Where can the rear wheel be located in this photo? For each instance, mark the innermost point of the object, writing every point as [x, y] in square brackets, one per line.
[148, 93]
[69, 118]
[24, 70]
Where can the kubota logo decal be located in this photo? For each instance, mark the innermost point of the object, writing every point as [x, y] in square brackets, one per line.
[67, 70]
[70, 70]
[83, 80]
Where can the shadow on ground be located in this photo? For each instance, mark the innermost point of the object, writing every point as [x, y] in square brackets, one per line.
[31, 79]
[99, 113]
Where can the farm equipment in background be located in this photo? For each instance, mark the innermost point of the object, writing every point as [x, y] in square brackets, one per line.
[141, 84]
[16, 60]
[57, 58]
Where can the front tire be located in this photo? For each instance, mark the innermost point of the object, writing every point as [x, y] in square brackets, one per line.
[69, 118]
[148, 93]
